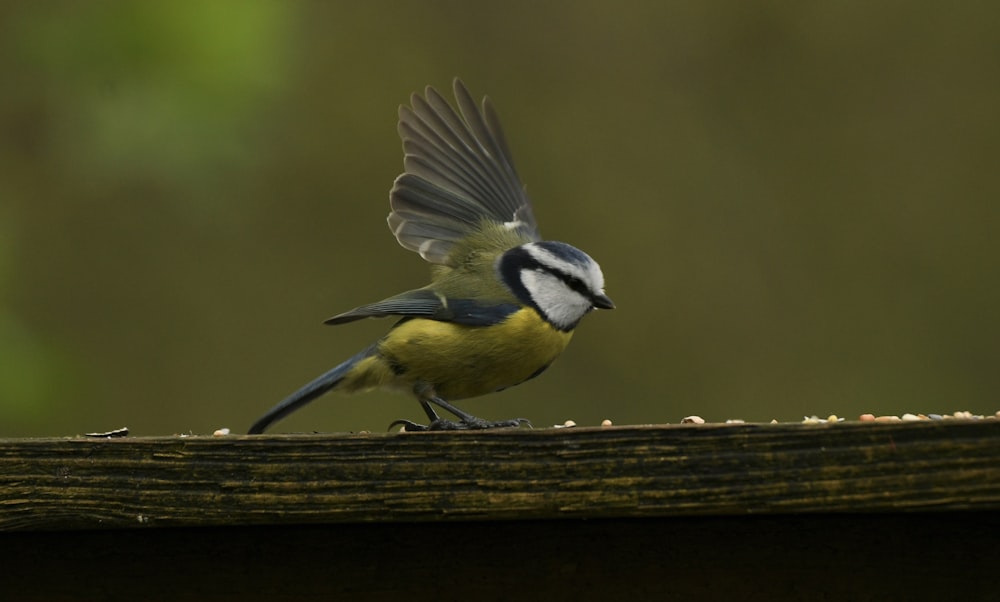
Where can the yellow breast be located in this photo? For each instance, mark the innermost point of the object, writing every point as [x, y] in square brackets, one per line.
[467, 361]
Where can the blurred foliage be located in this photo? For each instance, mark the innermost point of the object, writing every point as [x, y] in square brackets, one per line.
[795, 205]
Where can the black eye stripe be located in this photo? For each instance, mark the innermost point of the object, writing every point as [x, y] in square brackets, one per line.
[571, 281]
[518, 260]
[515, 265]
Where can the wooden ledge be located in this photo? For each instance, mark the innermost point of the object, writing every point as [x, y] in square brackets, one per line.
[710, 512]
[593, 473]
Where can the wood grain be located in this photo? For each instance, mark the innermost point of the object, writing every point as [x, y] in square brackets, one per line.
[594, 473]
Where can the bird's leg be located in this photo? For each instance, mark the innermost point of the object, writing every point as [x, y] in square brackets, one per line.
[410, 426]
[469, 422]
[431, 414]
[466, 421]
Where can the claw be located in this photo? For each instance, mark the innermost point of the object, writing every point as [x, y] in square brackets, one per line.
[470, 424]
[408, 426]
[512, 423]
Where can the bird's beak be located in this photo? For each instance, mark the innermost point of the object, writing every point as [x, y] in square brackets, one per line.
[603, 301]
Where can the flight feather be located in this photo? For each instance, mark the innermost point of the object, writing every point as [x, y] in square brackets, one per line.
[458, 177]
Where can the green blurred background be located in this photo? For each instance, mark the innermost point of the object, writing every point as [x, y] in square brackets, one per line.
[795, 205]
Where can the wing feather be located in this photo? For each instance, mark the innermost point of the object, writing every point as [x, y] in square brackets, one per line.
[425, 303]
[458, 176]
[506, 178]
[419, 302]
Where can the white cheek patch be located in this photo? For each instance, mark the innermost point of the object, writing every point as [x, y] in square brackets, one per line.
[561, 305]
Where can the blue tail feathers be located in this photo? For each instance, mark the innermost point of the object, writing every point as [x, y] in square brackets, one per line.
[309, 392]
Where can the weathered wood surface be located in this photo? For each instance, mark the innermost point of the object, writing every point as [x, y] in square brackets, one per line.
[512, 474]
[748, 512]
[594, 473]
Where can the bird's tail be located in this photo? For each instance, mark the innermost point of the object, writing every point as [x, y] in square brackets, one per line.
[309, 392]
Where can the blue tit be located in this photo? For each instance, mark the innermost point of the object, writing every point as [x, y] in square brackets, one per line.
[502, 304]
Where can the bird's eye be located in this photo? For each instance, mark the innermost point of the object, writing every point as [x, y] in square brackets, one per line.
[576, 284]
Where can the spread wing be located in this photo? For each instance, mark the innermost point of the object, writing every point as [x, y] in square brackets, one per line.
[425, 303]
[458, 177]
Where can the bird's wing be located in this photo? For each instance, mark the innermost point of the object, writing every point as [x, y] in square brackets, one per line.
[425, 303]
[458, 178]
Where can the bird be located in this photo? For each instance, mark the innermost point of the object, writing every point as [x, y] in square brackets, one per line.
[502, 303]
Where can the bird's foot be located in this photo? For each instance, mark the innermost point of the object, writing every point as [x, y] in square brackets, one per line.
[466, 424]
